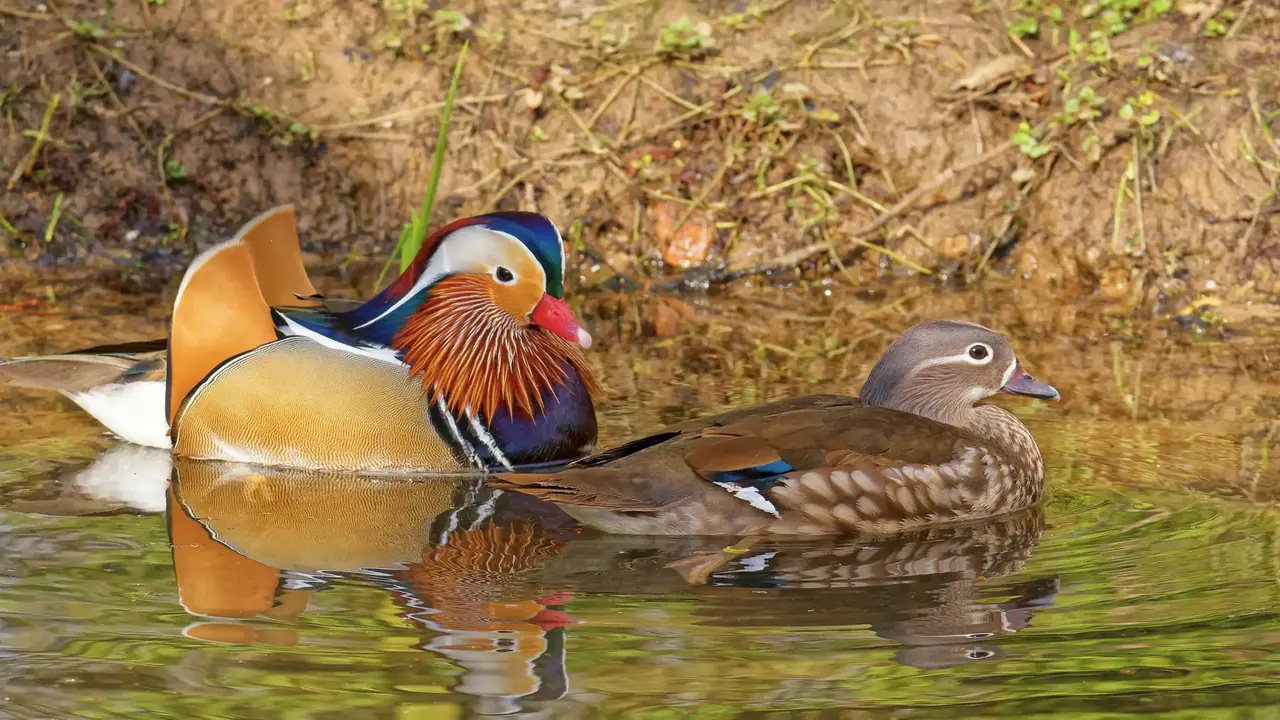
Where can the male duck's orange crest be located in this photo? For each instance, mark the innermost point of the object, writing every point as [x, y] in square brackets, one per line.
[475, 355]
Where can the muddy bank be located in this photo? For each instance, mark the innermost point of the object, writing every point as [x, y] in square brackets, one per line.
[678, 142]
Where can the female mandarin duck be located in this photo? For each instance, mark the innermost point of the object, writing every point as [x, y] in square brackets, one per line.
[466, 361]
[914, 450]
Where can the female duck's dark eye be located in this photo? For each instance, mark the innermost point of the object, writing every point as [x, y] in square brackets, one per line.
[504, 275]
[978, 352]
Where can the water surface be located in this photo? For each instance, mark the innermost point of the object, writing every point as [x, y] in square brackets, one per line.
[1148, 582]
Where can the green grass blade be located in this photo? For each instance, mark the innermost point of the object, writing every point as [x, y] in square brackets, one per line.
[415, 231]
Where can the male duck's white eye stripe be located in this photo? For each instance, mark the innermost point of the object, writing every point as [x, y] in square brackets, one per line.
[471, 248]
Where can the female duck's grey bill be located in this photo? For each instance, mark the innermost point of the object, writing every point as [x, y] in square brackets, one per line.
[1020, 383]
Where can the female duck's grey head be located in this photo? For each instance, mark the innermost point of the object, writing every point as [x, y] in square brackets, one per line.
[941, 368]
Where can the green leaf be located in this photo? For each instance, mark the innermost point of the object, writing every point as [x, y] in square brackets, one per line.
[174, 170]
[452, 19]
[1024, 27]
[86, 30]
[1151, 118]
[1126, 112]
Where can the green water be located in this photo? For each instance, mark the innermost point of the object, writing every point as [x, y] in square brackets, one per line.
[1149, 582]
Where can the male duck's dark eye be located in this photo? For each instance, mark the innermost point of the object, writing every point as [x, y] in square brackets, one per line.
[978, 352]
[504, 275]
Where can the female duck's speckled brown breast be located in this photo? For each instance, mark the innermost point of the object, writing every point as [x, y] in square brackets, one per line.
[914, 450]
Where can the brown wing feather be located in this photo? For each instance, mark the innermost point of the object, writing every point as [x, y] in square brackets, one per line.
[604, 488]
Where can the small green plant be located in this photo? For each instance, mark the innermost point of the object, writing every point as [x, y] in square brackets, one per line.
[298, 12]
[301, 130]
[1214, 27]
[405, 10]
[86, 29]
[604, 39]
[1027, 141]
[1115, 16]
[825, 115]
[175, 171]
[1075, 46]
[156, 2]
[683, 37]
[738, 21]
[1099, 48]
[1081, 107]
[537, 134]
[285, 130]
[389, 40]
[1024, 27]
[1140, 109]
[452, 20]
[761, 107]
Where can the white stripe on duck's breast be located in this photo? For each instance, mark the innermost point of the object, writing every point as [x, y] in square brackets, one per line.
[470, 436]
[487, 438]
[446, 417]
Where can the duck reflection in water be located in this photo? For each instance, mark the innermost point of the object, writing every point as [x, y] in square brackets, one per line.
[260, 542]
[490, 576]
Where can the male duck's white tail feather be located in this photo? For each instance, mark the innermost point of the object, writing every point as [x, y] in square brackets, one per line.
[134, 411]
[126, 394]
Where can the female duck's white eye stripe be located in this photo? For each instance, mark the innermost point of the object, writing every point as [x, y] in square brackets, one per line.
[963, 357]
[984, 354]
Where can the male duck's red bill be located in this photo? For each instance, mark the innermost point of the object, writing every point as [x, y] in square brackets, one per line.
[554, 314]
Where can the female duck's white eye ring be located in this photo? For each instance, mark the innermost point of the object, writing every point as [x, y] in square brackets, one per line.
[980, 353]
[504, 276]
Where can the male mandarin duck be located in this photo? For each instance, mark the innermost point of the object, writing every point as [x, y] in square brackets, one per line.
[466, 361]
[914, 450]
